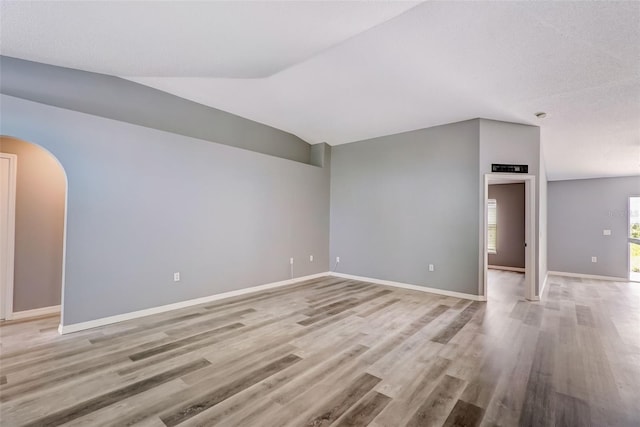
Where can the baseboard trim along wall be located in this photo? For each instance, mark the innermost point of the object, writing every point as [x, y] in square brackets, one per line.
[502, 267]
[411, 287]
[75, 327]
[36, 312]
[589, 276]
[544, 285]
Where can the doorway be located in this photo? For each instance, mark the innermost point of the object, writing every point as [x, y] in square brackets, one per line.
[505, 241]
[491, 230]
[634, 239]
[33, 194]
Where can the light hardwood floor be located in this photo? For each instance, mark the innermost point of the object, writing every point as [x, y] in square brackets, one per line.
[339, 352]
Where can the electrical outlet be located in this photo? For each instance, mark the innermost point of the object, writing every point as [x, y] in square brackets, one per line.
[176, 276]
[337, 259]
[594, 259]
[310, 258]
[606, 232]
[291, 261]
[431, 268]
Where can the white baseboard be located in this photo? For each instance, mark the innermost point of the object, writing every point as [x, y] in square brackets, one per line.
[589, 276]
[412, 287]
[54, 309]
[544, 285]
[75, 327]
[505, 268]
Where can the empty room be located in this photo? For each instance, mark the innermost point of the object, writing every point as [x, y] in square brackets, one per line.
[319, 213]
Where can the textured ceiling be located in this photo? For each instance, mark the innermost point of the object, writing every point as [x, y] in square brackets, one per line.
[378, 68]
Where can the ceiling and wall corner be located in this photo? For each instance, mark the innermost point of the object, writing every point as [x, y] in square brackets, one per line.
[119, 99]
[339, 72]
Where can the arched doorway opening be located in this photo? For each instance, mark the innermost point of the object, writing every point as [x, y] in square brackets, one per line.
[33, 194]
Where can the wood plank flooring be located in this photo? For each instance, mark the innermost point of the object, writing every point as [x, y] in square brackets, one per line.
[342, 353]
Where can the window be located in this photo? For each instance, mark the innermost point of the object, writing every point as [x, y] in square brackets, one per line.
[492, 227]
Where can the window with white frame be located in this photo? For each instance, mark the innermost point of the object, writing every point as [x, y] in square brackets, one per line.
[492, 226]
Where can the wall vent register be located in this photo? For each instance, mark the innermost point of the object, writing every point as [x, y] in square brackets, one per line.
[497, 167]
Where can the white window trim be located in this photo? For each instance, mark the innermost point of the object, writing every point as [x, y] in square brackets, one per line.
[494, 250]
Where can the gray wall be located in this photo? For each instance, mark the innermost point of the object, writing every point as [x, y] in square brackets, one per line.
[542, 220]
[510, 209]
[401, 202]
[40, 201]
[144, 203]
[579, 210]
[119, 99]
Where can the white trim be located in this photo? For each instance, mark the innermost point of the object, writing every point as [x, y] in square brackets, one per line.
[64, 238]
[409, 286]
[530, 231]
[505, 268]
[589, 276]
[544, 285]
[630, 239]
[66, 329]
[26, 314]
[7, 290]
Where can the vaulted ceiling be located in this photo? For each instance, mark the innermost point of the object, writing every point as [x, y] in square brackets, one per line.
[339, 72]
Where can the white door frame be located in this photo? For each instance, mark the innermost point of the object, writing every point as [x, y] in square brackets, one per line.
[529, 227]
[630, 239]
[6, 284]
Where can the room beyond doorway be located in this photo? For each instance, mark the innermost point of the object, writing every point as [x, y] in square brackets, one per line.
[506, 227]
[33, 233]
